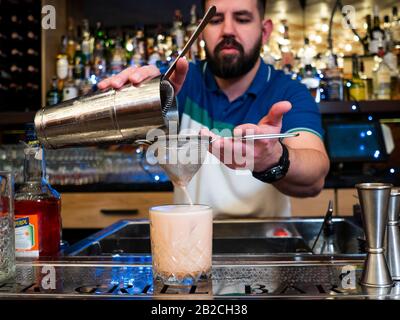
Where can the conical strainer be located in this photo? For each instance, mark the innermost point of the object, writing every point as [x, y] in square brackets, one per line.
[181, 157]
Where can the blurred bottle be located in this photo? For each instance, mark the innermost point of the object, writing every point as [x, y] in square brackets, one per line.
[395, 27]
[357, 90]
[381, 79]
[37, 206]
[331, 86]
[118, 60]
[53, 95]
[70, 90]
[195, 48]
[87, 83]
[71, 41]
[62, 60]
[367, 82]
[79, 63]
[377, 34]
[177, 30]
[87, 43]
[99, 59]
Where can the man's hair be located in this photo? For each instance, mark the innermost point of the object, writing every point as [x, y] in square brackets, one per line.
[260, 6]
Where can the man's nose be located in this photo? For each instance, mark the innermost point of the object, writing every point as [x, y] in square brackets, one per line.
[229, 27]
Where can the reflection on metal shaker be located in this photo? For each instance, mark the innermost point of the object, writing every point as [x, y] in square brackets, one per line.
[108, 117]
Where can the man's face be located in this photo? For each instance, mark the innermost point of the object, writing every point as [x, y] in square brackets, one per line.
[234, 37]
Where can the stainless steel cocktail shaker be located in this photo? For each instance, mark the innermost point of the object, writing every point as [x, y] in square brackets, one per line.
[108, 117]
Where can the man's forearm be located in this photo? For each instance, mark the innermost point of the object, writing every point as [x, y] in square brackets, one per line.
[306, 175]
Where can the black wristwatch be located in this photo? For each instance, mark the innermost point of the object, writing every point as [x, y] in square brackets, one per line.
[276, 172]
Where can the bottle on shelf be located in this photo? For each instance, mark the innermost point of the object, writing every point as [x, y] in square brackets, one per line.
[37, 206]
[331, 86]
[377, 34]
[395, 27]
[70, 90]
[71, 41]
[177, 30]
[195, 48]
[79, 63]
[387, 29]
[87, 83]
[308, 74]
[381, 79]
[357, 89]
[87, 43]
[118, 59]
[367, 82]
[53, 96]
[62, 60]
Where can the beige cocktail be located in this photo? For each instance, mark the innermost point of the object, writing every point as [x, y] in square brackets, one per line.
[181, 243]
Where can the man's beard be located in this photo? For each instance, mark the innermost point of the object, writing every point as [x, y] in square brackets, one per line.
[230, 66]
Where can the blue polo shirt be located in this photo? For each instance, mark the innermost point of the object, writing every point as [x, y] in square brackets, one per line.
[201, 99]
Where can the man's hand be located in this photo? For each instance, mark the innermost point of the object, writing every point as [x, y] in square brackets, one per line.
[257, 155]
[136, 75]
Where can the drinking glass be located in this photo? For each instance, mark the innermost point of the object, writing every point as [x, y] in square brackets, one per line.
[7, 235]
[181, 243]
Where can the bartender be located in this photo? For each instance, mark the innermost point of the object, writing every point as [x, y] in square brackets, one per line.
[234, 89]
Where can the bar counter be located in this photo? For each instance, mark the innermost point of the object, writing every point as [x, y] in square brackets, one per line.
[116, 263]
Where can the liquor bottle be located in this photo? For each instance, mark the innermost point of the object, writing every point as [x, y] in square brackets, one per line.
[62, 60]
[367, 82]
[331, 86]
[87, 84]
[79, 63]
[391, 60]
[141, 46]
[71, 42]
[381, 79]
[365, 41]
[377, 34]
[388, 32]
[308, 74]
[118, 60]
[195, 48]
[86, 47]
[70, 90]
[37, 206]
[99, 60]
[395, 27]
[177, 30]
[357, 89]
[53, 95]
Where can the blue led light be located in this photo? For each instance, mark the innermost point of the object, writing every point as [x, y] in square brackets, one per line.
[392, 170]
[362, 134]
[353, 107]
[370, 118]
[348, 84]
[376, 154]
[369, 132]
[157, 178]
[362, 147]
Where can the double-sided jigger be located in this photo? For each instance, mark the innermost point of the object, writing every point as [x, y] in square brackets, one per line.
[393, 235]
[374, 201]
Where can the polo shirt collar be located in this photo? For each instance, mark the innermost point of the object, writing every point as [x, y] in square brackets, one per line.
[262, 76]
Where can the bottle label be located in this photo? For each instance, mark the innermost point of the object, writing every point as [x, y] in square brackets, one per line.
[27, 235]
[62, 68]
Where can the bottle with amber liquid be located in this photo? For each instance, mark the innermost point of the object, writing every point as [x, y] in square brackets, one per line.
[357, 90]
[37, 206]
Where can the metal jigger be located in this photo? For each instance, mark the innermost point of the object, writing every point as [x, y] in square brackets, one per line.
[374, 201]
[393, 235]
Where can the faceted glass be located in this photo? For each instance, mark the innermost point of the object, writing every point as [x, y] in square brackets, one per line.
[7, 242]
[181, 243]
